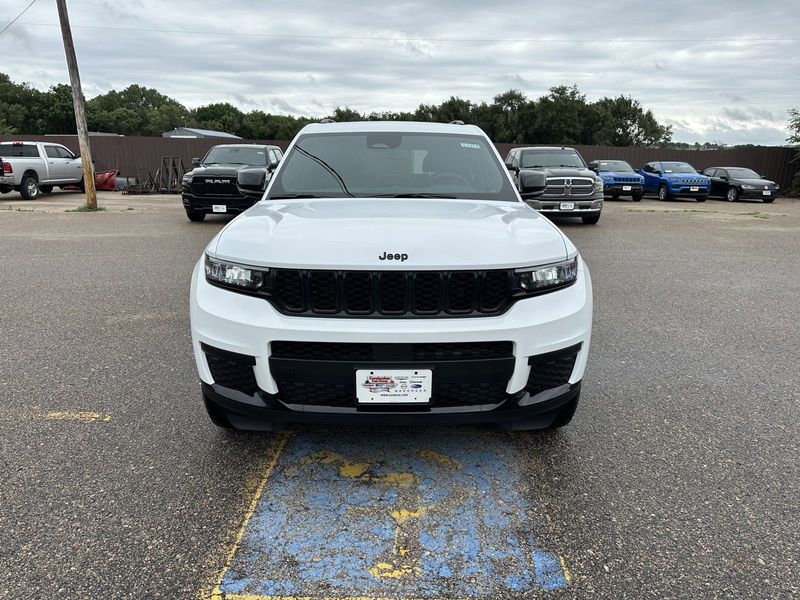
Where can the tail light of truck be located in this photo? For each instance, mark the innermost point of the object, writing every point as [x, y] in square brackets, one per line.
[7, 167]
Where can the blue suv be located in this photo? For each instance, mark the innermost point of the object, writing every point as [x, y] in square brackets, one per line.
[619, 179]
[673, 179]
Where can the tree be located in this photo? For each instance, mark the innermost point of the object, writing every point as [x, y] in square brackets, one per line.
[146, 111]
[623, 122]
[794, 138]
[220, 116]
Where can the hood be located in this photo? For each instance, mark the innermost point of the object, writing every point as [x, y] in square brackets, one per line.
[693, 176]
[762, 183]
[353, 233]
[220, 169]
[567, 172]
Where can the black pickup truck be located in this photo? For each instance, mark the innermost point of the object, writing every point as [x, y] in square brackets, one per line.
[211, 186]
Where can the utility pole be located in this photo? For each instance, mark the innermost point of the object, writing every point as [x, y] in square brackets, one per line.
[77, 101]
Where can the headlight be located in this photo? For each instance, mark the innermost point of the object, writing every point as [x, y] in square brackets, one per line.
[747, 187]
[777, 187]
[187, 179]
[233, 275]
[598, 185]
[533, 280]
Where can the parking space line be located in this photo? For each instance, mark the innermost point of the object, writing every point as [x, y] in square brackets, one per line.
[216, 592]
[82, 416]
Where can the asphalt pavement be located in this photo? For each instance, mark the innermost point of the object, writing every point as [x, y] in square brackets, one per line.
[678, 478]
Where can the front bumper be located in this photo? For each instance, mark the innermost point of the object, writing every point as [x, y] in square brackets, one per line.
[233, 204]
[685, 191]
[757, 194]
[557, 324]
[582, 208]
[619, 189]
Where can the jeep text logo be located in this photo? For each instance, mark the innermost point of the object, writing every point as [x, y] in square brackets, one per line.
[401, 257]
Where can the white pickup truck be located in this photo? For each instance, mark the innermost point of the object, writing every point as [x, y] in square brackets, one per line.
[33, 168]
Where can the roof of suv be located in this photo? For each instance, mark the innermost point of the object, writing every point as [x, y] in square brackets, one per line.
[410, 126]
[547, 148]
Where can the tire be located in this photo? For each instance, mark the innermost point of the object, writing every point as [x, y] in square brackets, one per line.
[216, 414]
[565, 414]
[82, 186]
[4, 189]
[29, 188]
[732, 195]
[46, 189]
[663, 193]
[195, 215]
[615, 196]
[637, 197]
[702, 198]
[590, 220]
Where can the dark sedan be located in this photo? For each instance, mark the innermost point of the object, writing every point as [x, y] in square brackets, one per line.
[734, 183]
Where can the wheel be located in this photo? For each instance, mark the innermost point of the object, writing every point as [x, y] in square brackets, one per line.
[565, 414]
[83, 185]
[46, 189]
[702, 198]
[216, 414]
[29, 188]
[590, 220]
[637, 197]
[195, 215]
[663, 192]
[732, 195]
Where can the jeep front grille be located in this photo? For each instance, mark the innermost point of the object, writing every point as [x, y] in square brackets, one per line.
[391, 293]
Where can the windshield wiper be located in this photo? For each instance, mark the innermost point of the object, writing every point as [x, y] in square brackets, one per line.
[411, 195]
[294, 196]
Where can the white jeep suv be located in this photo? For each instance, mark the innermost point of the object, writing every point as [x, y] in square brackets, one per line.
[391, 274]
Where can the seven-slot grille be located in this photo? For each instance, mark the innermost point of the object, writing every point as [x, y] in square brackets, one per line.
[577, 187]
[222, 185]
[618, 179]
[391, 293]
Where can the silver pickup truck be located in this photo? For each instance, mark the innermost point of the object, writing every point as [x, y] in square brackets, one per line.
[34, 168]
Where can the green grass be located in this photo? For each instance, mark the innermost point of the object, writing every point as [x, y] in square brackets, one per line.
[85, 208]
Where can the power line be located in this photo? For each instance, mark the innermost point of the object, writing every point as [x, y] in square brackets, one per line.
[422, 39]
[12, 21]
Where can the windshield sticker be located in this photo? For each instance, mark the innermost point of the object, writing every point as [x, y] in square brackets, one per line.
[467, 145]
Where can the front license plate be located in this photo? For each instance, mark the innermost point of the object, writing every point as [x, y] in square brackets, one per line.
[694, 189]
[220, 208]
[767, 193]
[567, 205]
[394, 386]
[626, 188]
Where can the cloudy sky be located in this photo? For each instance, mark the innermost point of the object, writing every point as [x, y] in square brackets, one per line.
[722, 71]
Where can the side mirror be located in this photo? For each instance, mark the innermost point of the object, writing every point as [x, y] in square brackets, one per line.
[195, 162]
[531, 184]
[251, 183]
[512, 168]
[724, 177]
[273, 165]
[594, 168]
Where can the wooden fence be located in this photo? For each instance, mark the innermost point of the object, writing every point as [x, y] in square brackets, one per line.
[130, 154]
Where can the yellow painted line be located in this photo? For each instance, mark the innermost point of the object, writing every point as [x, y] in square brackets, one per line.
[567, 574]
[216, 591]
[82, 416]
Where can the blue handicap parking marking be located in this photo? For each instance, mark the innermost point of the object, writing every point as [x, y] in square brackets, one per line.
[426, 514]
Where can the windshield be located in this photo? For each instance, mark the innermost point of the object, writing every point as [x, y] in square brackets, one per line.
[677, 167]
[234, 155]
[385, 163]
[743, 174]
[553, 158]
[618, 166]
